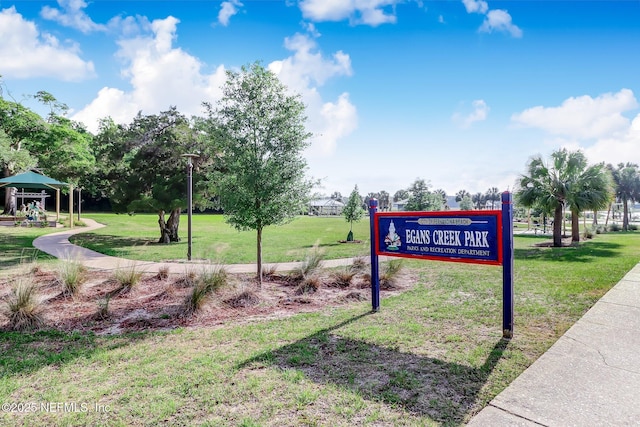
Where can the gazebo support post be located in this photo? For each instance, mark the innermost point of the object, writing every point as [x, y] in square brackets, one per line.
[57, 205]
[70, 206]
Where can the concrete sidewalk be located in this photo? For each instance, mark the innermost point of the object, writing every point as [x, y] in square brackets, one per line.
[589, 377]
[58, 245]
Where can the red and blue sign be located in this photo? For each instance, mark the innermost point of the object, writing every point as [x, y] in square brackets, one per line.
[463, 236]
[480, 237]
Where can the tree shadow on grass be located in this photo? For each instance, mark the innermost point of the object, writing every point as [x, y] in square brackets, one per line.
[111, 245]
[430, 387]
[582, 252]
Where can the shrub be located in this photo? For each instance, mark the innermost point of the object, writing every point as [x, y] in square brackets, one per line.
[24, 307]
[614, 227]
[587, 233]
[633, 227]
[70, 275]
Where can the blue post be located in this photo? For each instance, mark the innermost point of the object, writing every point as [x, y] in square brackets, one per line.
[375, 279]
[507, 265]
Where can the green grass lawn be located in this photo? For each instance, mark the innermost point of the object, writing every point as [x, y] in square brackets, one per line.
[433, 355]
[135, 237]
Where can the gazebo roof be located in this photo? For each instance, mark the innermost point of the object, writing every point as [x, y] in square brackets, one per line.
[31, 180]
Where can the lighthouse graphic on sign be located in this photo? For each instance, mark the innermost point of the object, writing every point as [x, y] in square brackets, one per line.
[392, 240]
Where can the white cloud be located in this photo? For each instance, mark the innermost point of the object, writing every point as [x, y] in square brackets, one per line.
[582, 117]
[500, 20]
[160, 75]
[71, 15]
[624, 147]
[594, 125]
[476, 6]
[303, 73]
[479, 113]
[227, 10]
[494, 20]
[27, 53]
[367, 12]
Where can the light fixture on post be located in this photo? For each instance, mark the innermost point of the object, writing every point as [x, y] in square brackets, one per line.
[190, 158]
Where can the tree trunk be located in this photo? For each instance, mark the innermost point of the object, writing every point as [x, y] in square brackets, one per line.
[169, 229]
[575, 226]
[625, 217]
[606, 221]
[259, 255]
[557, 226]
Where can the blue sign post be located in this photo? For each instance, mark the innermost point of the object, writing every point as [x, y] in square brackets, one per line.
[480, 237]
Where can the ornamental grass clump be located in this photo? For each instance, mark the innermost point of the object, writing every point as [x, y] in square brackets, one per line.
[390, 272]
[127, 278]
[310, 265]
[309, 285]
[24, 307]
[208, 281]
[342, 278]
[70, 275]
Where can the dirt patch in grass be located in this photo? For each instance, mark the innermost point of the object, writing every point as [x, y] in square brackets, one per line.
[156, 303]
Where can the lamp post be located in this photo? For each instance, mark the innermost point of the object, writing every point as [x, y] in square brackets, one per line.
[189, 199]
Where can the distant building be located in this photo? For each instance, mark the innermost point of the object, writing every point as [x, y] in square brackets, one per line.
[325, 207]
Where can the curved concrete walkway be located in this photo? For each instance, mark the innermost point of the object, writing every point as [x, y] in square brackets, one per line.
[58, 245]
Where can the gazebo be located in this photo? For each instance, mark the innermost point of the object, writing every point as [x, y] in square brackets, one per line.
[37, 181]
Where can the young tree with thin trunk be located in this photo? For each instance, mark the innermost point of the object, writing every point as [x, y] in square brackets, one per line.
[264, 131]
[353, 211]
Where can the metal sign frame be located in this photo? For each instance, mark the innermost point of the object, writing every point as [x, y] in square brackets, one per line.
[439, 236]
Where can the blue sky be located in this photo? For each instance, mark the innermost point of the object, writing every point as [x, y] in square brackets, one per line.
[459, 92]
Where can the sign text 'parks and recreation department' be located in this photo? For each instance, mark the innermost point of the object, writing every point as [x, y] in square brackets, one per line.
[464, 236]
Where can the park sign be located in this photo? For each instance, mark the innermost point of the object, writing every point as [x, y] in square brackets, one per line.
[480, 237]
[466, 236]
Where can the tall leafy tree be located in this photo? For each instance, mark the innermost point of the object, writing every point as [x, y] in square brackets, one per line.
[466, 204]
[142, 169]
[400, 195]
[58, 146]
[627, 187]
[421, 199]
[264, 179]
[353, 211]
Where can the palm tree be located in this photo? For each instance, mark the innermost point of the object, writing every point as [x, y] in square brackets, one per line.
[460, 195]
[479, 200]
[591, 189]
[492, 195]
[627, 182]
[549, 187]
